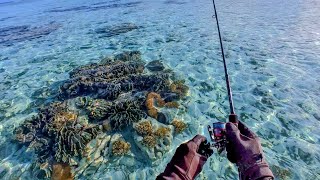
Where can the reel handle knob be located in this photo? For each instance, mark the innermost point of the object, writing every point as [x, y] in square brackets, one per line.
[205, 149]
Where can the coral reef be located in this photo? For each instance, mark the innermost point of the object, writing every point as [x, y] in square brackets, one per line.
[117, 69]
[153, 100]
[149, 141]
[98, 156]
[125, 114]
[124, 56]
[71, 141]
[120, 148]
[162, 132]
[180, 88]
[179, 125]
[113, 96]
[119, 74]
[104, 81]
[143, 128]
[55, 133]
[61, 171]
[98, 109]
[172, 105]
[119, 113]
[154, 145]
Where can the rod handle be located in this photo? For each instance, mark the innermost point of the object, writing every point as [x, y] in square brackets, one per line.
[233, 118]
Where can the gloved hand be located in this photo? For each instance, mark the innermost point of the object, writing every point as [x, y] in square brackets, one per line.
[244, 148]
[186, 163]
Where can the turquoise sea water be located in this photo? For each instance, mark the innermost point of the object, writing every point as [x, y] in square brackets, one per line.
[272, 49]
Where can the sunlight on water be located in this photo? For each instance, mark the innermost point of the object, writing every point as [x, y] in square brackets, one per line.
[272, 49]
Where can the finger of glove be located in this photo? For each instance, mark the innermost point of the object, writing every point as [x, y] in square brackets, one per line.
[232, 157]
[198, 139]
[232, 133]
[245, 130]
[231, 152]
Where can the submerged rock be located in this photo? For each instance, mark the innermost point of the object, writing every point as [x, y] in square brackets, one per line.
[110, 31]
[156, 65]
[14, 34]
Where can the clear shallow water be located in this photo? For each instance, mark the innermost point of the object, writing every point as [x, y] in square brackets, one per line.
[273, 52]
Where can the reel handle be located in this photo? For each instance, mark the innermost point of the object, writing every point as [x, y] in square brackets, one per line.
[205, 149]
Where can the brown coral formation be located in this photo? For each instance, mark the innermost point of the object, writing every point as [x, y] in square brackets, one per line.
[120, 148]
[149, 141]
[153, 100]
[162, 132]
[144, 128]
[61, 171]
[179, 87]
[179, 125]
[61, 118]
[172, 105]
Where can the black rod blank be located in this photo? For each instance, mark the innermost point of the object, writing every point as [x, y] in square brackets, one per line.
[224, 63]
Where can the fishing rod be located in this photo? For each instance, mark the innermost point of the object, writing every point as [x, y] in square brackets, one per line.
[218, 129]
[224, 62]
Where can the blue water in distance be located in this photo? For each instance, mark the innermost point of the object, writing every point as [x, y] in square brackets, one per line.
[273, 55]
